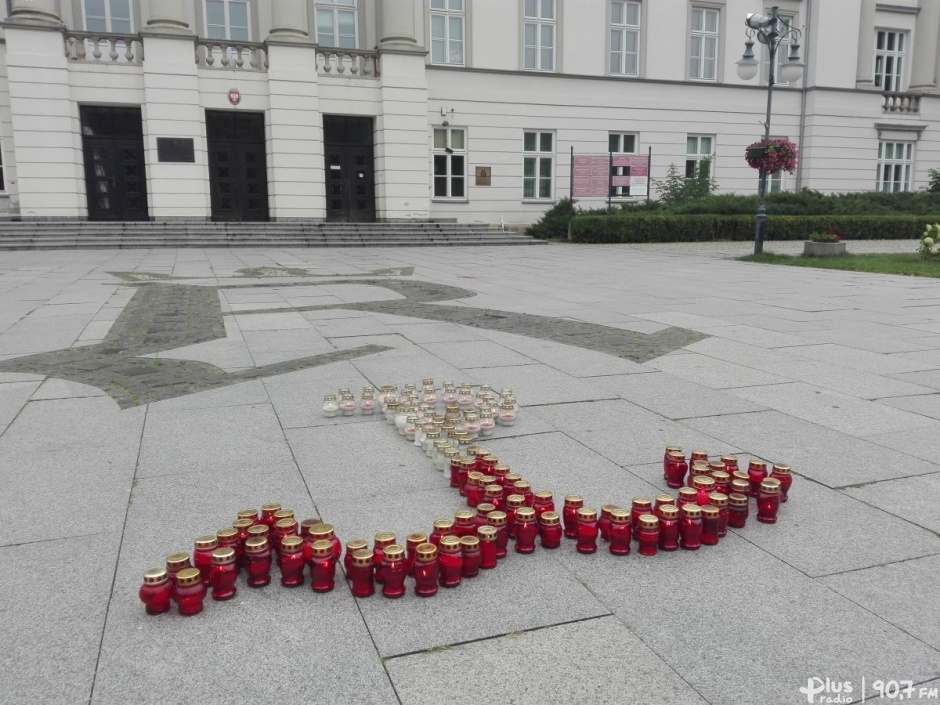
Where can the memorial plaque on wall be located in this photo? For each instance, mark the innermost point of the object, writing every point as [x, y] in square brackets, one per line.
[483, 175]
[175, 149]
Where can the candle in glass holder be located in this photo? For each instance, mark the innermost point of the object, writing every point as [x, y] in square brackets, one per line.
[500, 470]
[483, 511]
[322, 566]
[668, 527]
[768, 500]
[381, 542]
[719, 500]
[587, 530]
[698, 456]
[363, 573]
[449, 561]
[456, 465]
[756, 473]
[352, 546]
[526, 530]
[675, 469]
[251, 514]
[464, 523]
[690, 527]
[175, 562]
[542, 501]
[242, 526]
[782, 473]
[228, 538]
[525, 489]
[189, 593]
[498, 520]
[740, 486]
[224, 574]
[282, 529]
[493, 494]
[258, 562]
[661, 499]
[470, 555]
[514, 503]
[473, 488]
[687, 495]
[412, 541]
[603, 523]
[573, 502]
[367, 402]
[550, 529]
[330, 406]
[722, 481]
[670, 450]
[442, 527]
[620, 531]
[507, 414]
[347, 405]
[393, 571]
[704, 486]
[648, 534]
[487, 535]
[267, 513]
[731, 464]
[202, 557]
[698, 469]
[292, 561]
[639, 507]
[156, 592]
[426, 571]
[737, 510]
[709, 525]
[326, 532]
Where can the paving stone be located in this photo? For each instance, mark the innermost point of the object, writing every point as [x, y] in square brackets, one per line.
[62, 389]
[921, 443]
[13, 397]
[541, 384]
[911, 498]
[711, 372]
[862, 360]
[924, 404]
[927, 378]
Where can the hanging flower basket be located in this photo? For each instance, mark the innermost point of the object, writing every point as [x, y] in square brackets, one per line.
[772, 155]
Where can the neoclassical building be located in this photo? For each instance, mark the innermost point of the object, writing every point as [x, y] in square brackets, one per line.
[468, 110]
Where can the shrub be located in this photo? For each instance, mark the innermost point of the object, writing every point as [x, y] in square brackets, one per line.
[676, 188]
[554, 224]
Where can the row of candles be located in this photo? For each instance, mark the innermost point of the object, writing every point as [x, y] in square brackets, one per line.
[460, 548]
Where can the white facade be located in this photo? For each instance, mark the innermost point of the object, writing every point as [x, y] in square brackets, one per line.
[450, 86]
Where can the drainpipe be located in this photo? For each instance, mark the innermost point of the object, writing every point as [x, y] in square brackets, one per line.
[804, 93]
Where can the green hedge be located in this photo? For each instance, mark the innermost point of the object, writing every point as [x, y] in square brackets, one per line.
[643, 227]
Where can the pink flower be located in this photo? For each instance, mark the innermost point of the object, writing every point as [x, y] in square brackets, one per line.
[779, 155]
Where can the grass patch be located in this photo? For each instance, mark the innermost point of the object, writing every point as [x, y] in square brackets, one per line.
[908, 264]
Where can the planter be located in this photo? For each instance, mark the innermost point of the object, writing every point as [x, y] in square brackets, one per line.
[756, 153]
[823, 249]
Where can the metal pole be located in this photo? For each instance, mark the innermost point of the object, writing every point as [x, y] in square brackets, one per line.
[571, 176]
[649, 174]
[772, 45]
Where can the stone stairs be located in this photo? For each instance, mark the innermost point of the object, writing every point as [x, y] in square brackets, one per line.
[50, 235]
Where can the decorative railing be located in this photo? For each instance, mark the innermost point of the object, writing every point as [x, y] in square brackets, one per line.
[97, 48]
[901, 103]
[354, 63]
[219, 54]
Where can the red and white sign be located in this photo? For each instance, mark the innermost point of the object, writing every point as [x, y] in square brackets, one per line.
[234, 96]
[592, 177]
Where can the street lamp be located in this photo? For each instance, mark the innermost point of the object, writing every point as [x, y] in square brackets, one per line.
[771, 30]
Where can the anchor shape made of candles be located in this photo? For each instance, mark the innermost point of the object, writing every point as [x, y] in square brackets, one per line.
[501, 508]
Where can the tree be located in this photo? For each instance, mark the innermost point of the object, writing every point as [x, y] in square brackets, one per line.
[676, 188]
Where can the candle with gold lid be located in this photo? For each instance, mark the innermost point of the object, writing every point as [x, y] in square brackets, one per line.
[228, 538]
[783, 475]
[731, 463]
[709, 525]
[698, 456]
[260, 531]
[690, 527]
[202, 557]
[526, 529]
[382, 540]
[509, 482]
[483, 511]
[704, 485]
[292, 561]
[639, 507]
[668, 527]
[603, 523]
[674, 469]
[412, 541]
[722, 481]
[737, 510]
[550, 530]
[258, 561]
[352, 546]
[281, 514]
[620, 531]
[487, 535]
[242, 526]
[500, 471]
[426, 571]
[393, 571]
[326, 532]
[363, 573]
[189, 593]
[322, 566]
[455, 466]
[442, 527]
[267, 513]
[473, 490]
[175, 562]
[587, 530]
[740, 486]
[464, 523]
[156, 592]
[699, 469]
[449, 561]
[768, 500]
[525, 489]
[470, 554]
[514, 502]
[542, 501]
[498, 520]
[719, 500]
[282, 529]
[756, 473]
[224, 574]
[493, 494]
[661, 499]
[251, 514]
[687, 495]
[648, 534]
[573, 502]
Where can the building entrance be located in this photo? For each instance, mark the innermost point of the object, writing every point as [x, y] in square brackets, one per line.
[115, 176]
[238, 175]
[350, 169]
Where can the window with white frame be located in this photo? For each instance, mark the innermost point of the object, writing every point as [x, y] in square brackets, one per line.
[337, 23]
[890, 47]
[620, 143]
[108, 16]
[538, 164]
[450, 162]
[447, 32]
[703, 50]
[539, 31]
[895, 166]
[624, 38]
[227, 20]
[697, 148]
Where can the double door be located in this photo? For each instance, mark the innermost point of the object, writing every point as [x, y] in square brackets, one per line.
[350, 169]
[238, 177]
[115, 175]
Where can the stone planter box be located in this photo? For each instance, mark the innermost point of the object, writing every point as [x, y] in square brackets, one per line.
[823, 249]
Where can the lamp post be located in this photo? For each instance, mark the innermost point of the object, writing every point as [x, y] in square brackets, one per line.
[770, 30]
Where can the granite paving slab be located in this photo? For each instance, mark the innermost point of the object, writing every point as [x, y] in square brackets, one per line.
[911, 498]
[846, 379]
[863, 360]
[599, 660]
[540, 384]
[922, 442]
[297, 397]
[13, 397]
[712, 372]
[927, 378]
[924, 404]
[474, 354]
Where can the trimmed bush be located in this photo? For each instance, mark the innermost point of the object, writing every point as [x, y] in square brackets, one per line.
[659, 227]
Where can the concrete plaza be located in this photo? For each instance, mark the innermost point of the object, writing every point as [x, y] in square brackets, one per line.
[148, 395]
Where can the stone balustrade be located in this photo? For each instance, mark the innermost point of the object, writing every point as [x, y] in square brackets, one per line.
[901, 103]
[100, 48]
[353, 63]
[220, 54]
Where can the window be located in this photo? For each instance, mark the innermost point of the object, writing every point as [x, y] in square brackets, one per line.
[776, 181]
[703, 54]
[539, 29]
[108, 16]
[450, 162]
[889, 60]
[697, 148]
[538, 164]
[624, 38]
[447, 23]
[895, 165]
[336, 23]
[227, 20]
[618, 143]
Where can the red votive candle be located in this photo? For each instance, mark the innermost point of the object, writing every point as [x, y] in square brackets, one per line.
[292, 561]
[526, 530]
[175, 562]
[303, 528]
[483, 511]
[425, 570]
[603, 524]
[282, 514]
[525, 489]
[648, 534]
[698, 469]
[442, 527]
[720, 501]
[550, 529]
[640, 506]
[464, 467]
[258, 562]
[514, 503]
[493, 494]
[668, 527]
[675, 468]
[756, 473]
[363, 573]
[282, 529]
[569, 514]
[737, 510]
[449, 561]
[498, 520]
[621, 531]
[326, 532]
[768, 501]
[456, 466]
[260, 531]
[250, 514]
[690, 527]
[660, 500]
[228, 538]
[267, 513]
[474, 491]
[687, 495]
[464, 523]
[542, 501]
[412, 541]
[470, 555]
[731, 464]
[709, 525]
[487, 536]
[202, 557]
[500, 470]
[741, 486]
[587, 530]
[156, 592]
[704, 485]
[698, 456]
[322, 566]
[782, 473]
[351, 547]
[393, 571]
[383, 540]
[670, 451]
[224, 574]
[189, 593]
[722, 481]
[242, 526]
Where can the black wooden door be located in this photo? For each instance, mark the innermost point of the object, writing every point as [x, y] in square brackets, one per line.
[115, 176]
[238, 177]
[350, 168]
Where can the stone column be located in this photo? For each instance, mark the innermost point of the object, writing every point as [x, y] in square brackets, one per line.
[167, 17]
[397, 25]
[924, 58]
[289, 21]
[864, 76]
[35, 12]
